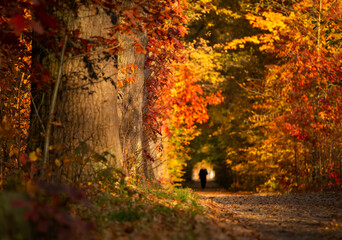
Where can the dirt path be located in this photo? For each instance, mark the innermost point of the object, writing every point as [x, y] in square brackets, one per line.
[308, 216]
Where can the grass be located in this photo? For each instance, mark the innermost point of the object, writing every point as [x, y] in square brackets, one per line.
[122, 209]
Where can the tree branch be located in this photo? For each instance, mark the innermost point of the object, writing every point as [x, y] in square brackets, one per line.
[53, 105]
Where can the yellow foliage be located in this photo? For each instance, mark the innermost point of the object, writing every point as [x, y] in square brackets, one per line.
[241, 42]
[33, 156]
[58, 162]
[205, 61]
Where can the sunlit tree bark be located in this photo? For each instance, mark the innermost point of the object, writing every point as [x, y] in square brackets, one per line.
[86, 107]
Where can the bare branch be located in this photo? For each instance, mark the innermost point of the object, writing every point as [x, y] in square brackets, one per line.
[53, 105]
[37, 113]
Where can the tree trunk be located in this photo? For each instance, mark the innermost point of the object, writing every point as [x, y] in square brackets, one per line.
[132, 73]
[86, 108]
[88, 100]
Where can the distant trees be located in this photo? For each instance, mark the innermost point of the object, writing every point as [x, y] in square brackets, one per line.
[302, 92]
[225, 138]
[279, 126]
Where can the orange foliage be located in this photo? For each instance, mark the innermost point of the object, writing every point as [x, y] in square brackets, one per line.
[15, 98]
[303, 92]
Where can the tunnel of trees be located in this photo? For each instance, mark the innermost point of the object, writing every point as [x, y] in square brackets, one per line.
[139, 91]
[101, 99]
[272, 129]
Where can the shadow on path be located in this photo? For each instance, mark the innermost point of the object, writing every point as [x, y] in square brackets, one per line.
[210, 187]
[304, 216]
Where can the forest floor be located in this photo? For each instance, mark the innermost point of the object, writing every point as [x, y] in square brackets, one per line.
[302, 216]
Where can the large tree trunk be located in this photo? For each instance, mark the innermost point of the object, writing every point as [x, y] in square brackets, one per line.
[90, 107]
[88, 100]
[86, 109]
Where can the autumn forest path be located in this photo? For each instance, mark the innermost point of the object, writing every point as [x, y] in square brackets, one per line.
[300, 216]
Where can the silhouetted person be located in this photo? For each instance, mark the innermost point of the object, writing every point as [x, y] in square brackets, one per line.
[203, 176]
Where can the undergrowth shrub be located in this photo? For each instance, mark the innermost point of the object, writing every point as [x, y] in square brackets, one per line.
[43, 212]
[34, 207]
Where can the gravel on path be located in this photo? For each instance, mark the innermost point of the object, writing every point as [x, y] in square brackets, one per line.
[293, 216]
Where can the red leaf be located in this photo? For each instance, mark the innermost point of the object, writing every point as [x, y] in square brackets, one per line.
[43, 226]
[20, 204]
[18, 23]
[128, 13]
[37, 27]
[44, 17]
[62, 43]
[139, 48]
[23, 158]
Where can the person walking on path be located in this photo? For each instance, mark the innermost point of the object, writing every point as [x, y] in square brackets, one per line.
[203, 176]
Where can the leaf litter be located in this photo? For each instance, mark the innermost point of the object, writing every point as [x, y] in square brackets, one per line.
[302, 216]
